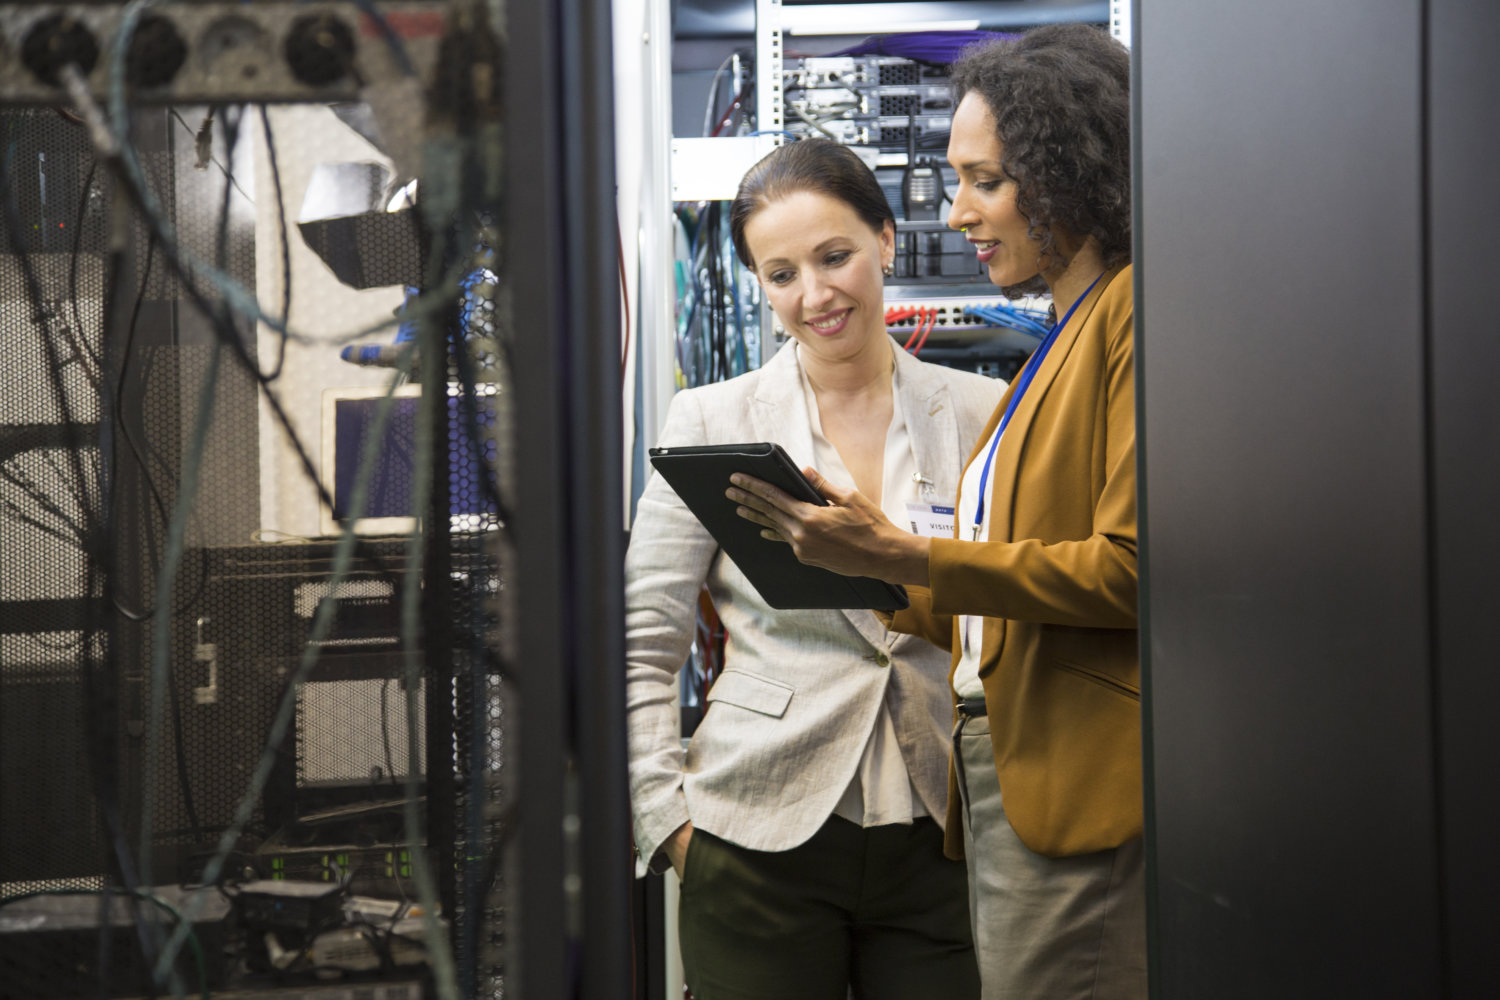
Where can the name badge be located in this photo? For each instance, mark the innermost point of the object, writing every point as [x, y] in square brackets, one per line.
[931, 520]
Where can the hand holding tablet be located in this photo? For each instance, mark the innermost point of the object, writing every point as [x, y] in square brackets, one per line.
[700, 475]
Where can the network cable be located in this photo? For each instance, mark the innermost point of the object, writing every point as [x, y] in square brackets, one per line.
[222, 321]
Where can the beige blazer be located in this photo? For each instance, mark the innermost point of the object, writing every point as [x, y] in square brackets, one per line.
[789, 717]
[1057, 579]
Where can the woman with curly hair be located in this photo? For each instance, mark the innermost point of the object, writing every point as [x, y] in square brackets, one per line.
[1035, 596]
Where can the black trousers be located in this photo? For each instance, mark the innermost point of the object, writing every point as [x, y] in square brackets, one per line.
[878, 911]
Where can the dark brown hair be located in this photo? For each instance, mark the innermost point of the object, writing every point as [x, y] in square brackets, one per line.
[819, 165]
[1060, 96]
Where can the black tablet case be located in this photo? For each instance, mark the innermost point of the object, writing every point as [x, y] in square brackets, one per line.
[700, 475]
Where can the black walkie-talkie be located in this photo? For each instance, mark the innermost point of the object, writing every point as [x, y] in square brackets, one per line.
[922, 184]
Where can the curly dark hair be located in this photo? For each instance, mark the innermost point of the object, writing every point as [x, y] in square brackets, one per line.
[818, 165]
[1060, 96]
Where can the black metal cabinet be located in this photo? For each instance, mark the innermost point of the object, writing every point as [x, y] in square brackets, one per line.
[1318, 439]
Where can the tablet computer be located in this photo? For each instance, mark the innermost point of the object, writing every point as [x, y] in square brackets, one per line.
[700, 475]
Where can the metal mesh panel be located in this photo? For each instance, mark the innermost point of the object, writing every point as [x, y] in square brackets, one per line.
[261, 725]
[45, 587]
[474, 373]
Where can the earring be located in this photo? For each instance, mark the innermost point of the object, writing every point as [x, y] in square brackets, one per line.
[889, 270]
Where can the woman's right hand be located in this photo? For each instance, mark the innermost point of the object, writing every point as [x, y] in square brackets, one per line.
[850, 535]
[676, 846]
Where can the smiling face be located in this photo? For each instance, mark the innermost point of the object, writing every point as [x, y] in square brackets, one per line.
[820, 265]
[985, 204]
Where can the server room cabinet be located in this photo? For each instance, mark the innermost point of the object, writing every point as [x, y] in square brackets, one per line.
[1316, 213]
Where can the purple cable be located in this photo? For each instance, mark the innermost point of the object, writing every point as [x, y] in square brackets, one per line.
[941, 47]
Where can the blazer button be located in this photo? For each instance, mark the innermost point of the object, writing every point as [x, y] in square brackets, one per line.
[882, 659]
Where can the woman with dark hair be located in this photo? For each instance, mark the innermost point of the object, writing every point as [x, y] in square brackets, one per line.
[1035, 594]
[806, 816]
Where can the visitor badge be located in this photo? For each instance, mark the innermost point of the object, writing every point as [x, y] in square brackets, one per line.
[931, 520]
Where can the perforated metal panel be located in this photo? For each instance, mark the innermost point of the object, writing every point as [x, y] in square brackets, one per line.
[246, 693]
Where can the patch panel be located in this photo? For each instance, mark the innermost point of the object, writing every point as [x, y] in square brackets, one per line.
[953, 319]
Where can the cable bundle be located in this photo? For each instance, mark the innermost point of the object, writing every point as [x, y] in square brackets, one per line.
[718, 333]
[1011, 318]
[926, 321]
[90, 431]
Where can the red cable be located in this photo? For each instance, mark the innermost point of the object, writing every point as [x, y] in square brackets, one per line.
[931, 323]
[921, 315]
[734, 105]
[895, 315]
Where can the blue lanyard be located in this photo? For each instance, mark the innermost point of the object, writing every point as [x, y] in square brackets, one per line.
[1023, 381]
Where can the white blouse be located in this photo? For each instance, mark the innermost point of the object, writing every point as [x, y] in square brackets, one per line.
[966, 683]
[881, 791]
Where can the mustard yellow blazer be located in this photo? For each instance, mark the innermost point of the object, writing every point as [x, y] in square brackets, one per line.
[1057, 583]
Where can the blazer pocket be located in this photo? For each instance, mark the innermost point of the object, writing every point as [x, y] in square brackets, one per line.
[1098, 677]
[752, 691]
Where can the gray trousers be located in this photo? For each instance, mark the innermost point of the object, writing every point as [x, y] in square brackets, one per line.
[1045, 928]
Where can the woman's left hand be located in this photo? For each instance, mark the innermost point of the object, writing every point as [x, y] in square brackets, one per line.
[851, 535]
